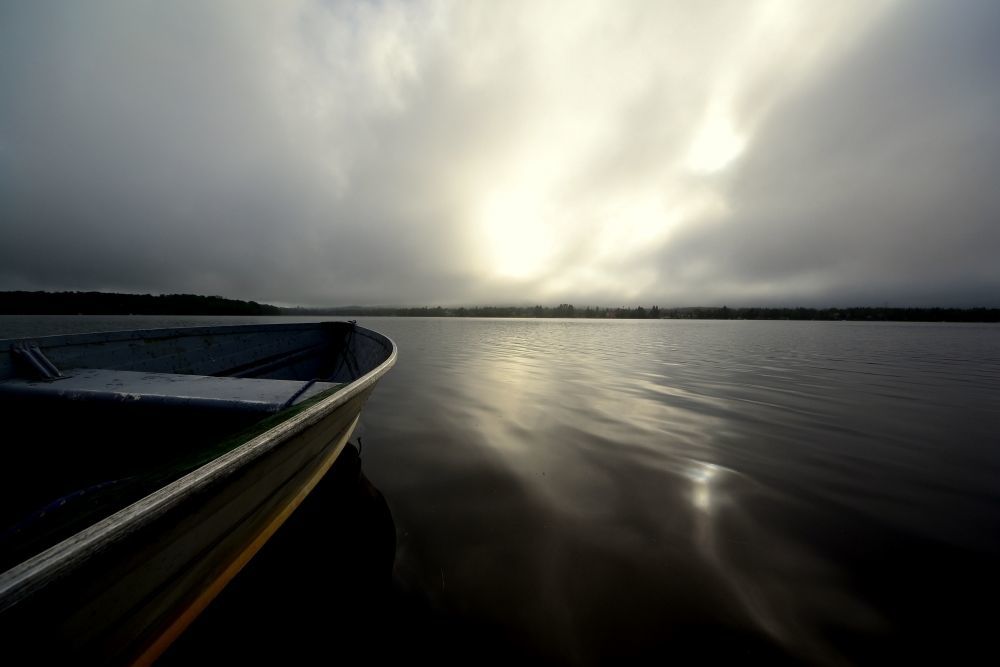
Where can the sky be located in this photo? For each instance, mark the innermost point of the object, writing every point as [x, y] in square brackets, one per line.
[741, 152]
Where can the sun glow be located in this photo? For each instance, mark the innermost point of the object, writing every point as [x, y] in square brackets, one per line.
[594, 173]
[518, 240]
[716, 144]
[701, 476]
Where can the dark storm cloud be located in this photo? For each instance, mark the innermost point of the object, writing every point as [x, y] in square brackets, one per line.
[479, 152]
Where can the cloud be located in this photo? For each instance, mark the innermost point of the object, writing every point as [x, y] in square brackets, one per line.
[871, 183]
[467, 152]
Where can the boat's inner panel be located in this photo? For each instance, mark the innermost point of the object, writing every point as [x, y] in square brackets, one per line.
[104, 434]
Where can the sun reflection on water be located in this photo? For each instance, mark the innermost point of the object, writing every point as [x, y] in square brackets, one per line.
[702, 475]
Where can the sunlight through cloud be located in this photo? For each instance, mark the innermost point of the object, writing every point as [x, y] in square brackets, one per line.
[716, 145]
[496, 151]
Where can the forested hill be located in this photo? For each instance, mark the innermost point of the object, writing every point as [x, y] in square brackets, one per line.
[110, 303]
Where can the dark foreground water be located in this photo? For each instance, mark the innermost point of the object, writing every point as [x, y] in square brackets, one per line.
[600, 491]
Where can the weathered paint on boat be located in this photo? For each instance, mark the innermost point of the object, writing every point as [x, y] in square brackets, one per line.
[121, 589]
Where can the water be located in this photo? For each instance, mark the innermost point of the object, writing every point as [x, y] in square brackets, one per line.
[599, 491]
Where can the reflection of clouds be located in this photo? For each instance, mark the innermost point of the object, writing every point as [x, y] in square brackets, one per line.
[527, 423]
[562, 416]
[788, 591]
[599, 448]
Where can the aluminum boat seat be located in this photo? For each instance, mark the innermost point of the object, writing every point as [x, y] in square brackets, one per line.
[228, 394]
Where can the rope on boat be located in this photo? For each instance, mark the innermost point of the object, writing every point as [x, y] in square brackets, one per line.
[55, 505]
[347, 357]
[298, 393]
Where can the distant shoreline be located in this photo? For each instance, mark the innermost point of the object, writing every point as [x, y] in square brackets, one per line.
[857, 314]
[111, 303]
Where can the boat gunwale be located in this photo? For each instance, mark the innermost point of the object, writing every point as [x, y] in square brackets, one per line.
[34, 573]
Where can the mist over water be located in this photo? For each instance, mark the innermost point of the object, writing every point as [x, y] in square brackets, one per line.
[591, 491]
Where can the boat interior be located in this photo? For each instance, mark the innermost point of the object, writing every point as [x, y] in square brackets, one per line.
[94, 422]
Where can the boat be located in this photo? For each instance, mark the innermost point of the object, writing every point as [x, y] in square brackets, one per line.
[144, 469]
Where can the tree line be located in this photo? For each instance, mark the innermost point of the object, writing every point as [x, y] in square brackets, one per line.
[565, 310]
[110, 303]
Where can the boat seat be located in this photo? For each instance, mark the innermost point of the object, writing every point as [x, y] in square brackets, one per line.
[168, 389]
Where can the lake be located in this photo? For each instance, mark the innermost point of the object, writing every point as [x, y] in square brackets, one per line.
[591, 491]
